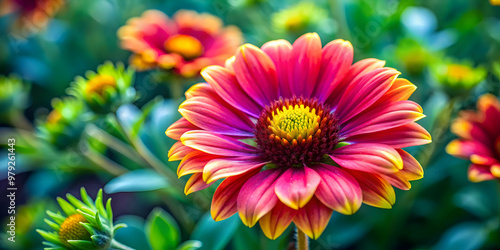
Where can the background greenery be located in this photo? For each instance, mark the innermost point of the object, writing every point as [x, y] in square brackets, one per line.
[442, 211]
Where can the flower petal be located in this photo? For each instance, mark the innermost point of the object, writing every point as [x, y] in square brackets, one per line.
[411, 167]
[368, 157]
[224, 82]
[279, 51]
[211, 115]
[215, 144]
[195, 183]
[275, 222]
[256, 73]
[313, 218]
[336, 60]
[364, 91]
[357, 70]
[257, 196]
[178, 151]
[338, 190]
[226, 167]
[408, 135]
[400, 90]
[377, 191]
[226, 196]
[194, 163]
[180, 127]
[305, 62]
[296, 186]
[470, 130]
[464, 149]
[398, 180]
[478, 173]
[382, 117]
[489, 108]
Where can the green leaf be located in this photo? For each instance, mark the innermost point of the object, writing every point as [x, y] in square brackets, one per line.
[136, 181]
[214, 235]
[82, 244]
[101, 241]
[52, 224]
[162, 230]
[66, 207]
[86, 198]
[109, 210]
[74, 201]
[190, 245]
[51, 237]
[59, 218]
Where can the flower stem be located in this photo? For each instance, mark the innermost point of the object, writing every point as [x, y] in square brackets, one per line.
[302, 240]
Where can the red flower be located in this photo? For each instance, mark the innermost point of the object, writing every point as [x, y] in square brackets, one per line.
[479, 139]
[297, 131]
[186, 43]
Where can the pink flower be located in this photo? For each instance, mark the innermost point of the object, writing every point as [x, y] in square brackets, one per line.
[186, 43]
[479, 139]
[296, 132]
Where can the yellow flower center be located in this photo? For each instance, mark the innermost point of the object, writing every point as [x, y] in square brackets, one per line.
[99, 83]
[294, 121]
[184, 45]
[458, 72]
[71, 229]
[54, 117]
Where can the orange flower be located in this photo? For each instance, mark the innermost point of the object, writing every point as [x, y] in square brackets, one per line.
[186, 43]
[479, 139]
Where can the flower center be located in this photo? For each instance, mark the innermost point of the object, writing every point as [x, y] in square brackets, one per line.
[99, 83]
[71, 229]
[296, 132]
[184, 45]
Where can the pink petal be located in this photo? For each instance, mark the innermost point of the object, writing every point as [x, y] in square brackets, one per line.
[400, 90]
[464, 149]
[383, 117]
[305, 62]
[195, 183]
[257, 196]
[224, 82]
[213, 116]
[356, 71]
[313, 218]
[256, 73]
[194, 163]
[226, 195]
[398, 180]
[377, 191]
[368, 157]
[489, 108]
[215, 144]
[201, 89]
[364, 91]
[338, 190]
[478, 173]
[296, 186]
[178, 151]
[336, 60]
[411, 167]
[180, 127]
[407, 135]
[226, 167]
[470, 130]
[279, 51]
[275, 222]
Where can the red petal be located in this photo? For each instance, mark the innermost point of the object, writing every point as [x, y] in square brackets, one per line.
[275, 222]
[305, 64]
[180, 127]
[279, 51]
[338, 189]
[377, 191]
[313, 218]
[257, 196]
[226, 196]
[195, 183]
[226, 167]
[256, 73]
[215, 144]
[368, 157]
[296, 186]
